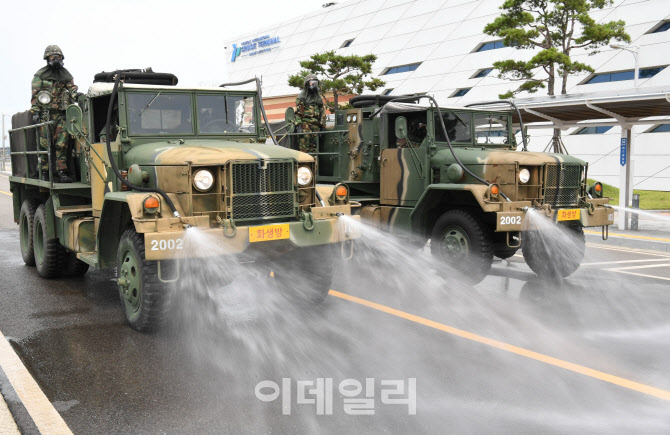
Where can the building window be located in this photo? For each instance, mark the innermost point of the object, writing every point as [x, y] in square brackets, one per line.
[662, 27]
[593, 130]
[663, 128]
[490, 46]
[482, 73]
[400, 69]
[347, 43]
[387, 91]
[460, 92]
[645, 73]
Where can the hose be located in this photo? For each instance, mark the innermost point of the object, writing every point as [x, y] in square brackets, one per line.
[115, 90]
[446, 135]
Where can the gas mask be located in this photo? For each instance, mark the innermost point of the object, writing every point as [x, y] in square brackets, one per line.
[55, 62]
[313, 85]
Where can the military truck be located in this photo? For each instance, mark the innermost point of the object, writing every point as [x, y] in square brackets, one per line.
[152, 162]
[453, 176]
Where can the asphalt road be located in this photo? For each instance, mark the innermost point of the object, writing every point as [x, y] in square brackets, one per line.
[512, 355]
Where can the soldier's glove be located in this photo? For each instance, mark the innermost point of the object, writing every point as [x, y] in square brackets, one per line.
[298, 128]
[36, 118]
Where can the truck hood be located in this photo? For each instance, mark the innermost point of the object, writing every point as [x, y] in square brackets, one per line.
[208, 152]
[477, 156]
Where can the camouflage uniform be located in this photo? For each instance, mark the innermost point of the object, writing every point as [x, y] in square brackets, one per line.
[310, 116]
[60, 85]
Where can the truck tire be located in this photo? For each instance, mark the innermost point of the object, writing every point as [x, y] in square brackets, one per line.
[305, 274]
[74, 266]
[143, 296]
[49, 253]
[554, 261]
[504, 252]
[26, 219]
[462, 240]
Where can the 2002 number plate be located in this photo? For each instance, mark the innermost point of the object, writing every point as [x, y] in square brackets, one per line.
[572, 214]
[268, 232]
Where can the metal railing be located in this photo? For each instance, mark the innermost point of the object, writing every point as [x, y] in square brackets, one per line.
[39, 153]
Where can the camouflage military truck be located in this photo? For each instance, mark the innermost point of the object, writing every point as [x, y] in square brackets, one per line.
[154, 160]
[453, 176]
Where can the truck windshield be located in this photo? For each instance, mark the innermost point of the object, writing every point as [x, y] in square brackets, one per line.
[159, 113]
[226, 114]
[458, 127]
[491, 129]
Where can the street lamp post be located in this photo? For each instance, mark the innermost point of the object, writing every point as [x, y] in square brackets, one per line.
[636, 52]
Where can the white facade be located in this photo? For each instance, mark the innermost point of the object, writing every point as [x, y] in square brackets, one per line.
[443, 35]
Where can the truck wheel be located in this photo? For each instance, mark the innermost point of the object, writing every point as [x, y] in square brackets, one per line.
[26, 218]
[463, 241]
[554, 257]
[74, 266]
[143, 296]
[305, 274]
[49, 253]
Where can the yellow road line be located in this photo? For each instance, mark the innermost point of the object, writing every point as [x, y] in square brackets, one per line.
[45, 416]
[630, 236]
[631, 385]
[6, 193]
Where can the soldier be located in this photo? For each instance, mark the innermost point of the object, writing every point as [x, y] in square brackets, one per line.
[53, 89]
[310, 114]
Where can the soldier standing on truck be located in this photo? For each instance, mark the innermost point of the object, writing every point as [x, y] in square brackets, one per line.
[53, 89]
[310, 114]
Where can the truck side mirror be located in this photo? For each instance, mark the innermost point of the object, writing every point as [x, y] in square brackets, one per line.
[289, 117]
[73, 117]
[401, 127]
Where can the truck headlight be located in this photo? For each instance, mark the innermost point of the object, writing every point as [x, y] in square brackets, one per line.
[304, 175]
[524, 176]
[44, 97]
[203, 180]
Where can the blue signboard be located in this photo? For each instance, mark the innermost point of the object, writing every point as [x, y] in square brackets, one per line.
[624, 151]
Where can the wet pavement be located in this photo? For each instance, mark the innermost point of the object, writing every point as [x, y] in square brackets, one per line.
[200, 376]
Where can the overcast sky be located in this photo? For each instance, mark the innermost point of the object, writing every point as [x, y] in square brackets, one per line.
[184, 37]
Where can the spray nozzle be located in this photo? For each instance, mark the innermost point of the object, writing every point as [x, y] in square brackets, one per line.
[337, 214]
[525, 209]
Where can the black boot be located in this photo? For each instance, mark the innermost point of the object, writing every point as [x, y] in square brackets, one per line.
[62, 177]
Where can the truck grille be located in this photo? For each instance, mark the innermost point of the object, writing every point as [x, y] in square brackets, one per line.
[262, 193]
[562, 184]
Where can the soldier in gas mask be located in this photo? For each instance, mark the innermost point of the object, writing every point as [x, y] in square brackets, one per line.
[53, 89]
[310, 114]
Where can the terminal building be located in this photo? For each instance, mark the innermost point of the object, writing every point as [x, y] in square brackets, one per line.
[438, 47]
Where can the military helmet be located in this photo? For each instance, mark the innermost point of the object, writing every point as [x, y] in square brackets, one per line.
[53, 50]
[310, 77]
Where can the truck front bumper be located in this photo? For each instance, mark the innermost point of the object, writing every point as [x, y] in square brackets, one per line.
[595, 214]
[175, 241]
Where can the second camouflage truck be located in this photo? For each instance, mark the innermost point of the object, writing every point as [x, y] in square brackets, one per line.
[453, 176]
[176, 158]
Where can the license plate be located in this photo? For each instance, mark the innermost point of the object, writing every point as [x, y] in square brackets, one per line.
[569, 214]
[268, 232]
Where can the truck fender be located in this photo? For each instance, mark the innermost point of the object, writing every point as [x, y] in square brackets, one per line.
[439, 198]
[115, 217]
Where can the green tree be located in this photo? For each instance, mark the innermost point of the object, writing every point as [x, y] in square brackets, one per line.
[554, 28]
[342, 75]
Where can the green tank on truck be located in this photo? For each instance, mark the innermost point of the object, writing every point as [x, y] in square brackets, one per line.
[152, 161]
[454, 176]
